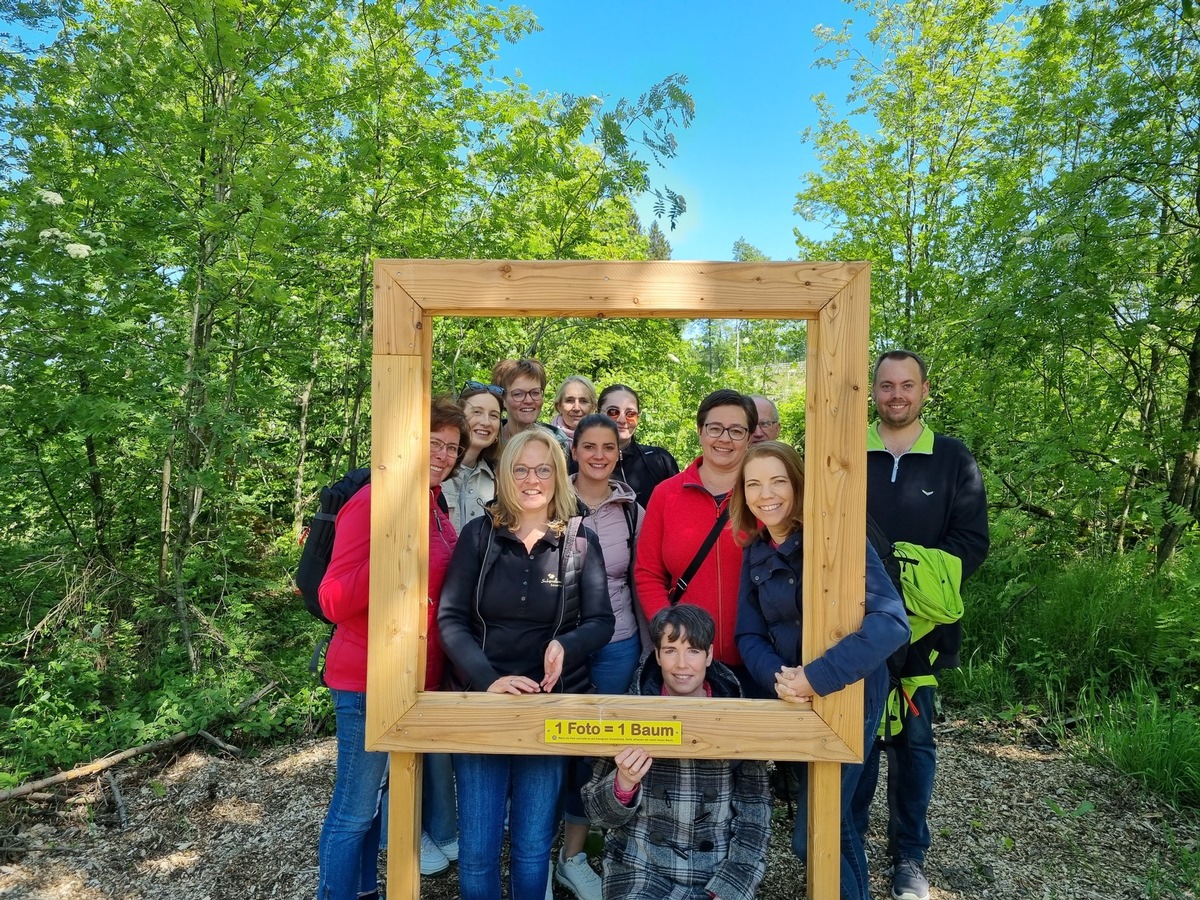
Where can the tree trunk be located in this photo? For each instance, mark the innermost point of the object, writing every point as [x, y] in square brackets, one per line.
[1182, 489]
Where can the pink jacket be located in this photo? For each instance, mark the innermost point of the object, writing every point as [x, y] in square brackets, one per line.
[345, 592]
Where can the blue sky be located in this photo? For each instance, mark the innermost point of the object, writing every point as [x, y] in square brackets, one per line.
[750, 70]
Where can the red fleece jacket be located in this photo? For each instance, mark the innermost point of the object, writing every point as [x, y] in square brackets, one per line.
[345, 592]
[681, 514]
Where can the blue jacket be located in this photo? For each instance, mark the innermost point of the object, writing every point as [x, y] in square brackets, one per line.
[769, 620]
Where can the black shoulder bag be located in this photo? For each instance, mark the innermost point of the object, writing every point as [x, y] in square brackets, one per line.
[681, 583]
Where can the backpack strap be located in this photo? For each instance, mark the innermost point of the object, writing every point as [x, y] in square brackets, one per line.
[681, 583]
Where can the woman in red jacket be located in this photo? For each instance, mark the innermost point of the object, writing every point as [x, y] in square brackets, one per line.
[684, 511]
[350, 837]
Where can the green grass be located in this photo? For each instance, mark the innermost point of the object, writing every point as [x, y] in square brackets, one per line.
[1108, 644]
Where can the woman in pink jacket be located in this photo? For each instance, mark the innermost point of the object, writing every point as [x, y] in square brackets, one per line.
[350, 837]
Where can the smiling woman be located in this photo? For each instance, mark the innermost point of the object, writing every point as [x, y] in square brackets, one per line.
[685, 550]
[474, 485]
[767, 512]
[350, 837]
[510, 581]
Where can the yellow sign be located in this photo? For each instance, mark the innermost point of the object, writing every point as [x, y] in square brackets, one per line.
[591, 731]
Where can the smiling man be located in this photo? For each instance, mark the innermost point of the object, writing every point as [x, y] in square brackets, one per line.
[681, 827]
[925, 489]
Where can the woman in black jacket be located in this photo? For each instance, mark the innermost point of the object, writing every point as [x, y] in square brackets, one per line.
[524, 603]
[641, 466]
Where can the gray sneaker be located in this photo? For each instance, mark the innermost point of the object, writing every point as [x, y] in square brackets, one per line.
[909, 881]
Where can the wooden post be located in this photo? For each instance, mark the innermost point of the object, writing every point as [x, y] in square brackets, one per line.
[834, 298]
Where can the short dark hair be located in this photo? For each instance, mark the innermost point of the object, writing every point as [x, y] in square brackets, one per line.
[727, 397]
[443, 413]
[614, 388]
[900, 354]
[594, 420]
[684, 622]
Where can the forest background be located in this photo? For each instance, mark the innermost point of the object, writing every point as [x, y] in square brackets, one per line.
[191, 197]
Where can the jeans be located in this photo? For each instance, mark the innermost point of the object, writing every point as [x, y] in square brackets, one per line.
[854, 879]
[612, 668]
[349, 849]
[912, 761]
[613, 665]
[439, 812]
[530, 786]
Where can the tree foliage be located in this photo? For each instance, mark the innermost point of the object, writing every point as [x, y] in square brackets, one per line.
[191, 202]
[1026, 194]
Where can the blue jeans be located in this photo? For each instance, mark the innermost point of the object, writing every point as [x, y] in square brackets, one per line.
[349, 849]
[439, 813]
[612, 668]
[613, 665]
[530, 786]
[854, 879]
[912, 761]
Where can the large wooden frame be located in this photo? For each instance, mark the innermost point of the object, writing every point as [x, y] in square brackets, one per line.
[402, 719]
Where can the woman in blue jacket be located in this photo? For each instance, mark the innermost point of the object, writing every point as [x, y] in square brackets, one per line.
[768, 505]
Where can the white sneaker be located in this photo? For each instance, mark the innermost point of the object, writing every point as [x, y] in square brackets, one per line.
[433, 860]
[579, 878]
[449, 849]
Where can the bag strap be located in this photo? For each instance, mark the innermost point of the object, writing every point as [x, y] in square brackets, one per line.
[681, 583]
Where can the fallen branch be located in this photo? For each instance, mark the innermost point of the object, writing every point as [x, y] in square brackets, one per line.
[255, 697]
[94, 767]
[228, 748]
[116, 792]
[109, 761]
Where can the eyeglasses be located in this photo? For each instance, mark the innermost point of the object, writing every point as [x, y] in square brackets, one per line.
[542, 472]
[614, 412]
[480, 386]
[767, 423]
[438, 446]
[736, 432]
[535, 395]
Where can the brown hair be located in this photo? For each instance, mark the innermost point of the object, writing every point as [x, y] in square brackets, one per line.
[491, 451]
[743, 522]
[505, 372]
[443, 413]
[900, 354]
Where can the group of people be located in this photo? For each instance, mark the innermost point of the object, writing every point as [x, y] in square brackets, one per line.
[568, 557]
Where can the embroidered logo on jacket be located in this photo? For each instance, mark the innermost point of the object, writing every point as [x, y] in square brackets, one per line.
[926, 493]
[552, 579]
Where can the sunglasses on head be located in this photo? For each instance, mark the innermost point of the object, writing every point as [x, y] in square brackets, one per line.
[480, 386]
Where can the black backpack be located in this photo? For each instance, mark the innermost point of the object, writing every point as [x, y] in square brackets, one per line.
[318, 538]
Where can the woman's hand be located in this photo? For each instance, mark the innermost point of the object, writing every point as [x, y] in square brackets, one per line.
[632, 765]
[792, 685]
[514, 684]
[553, 665]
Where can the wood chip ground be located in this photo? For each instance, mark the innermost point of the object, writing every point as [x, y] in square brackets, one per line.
[1013, 817]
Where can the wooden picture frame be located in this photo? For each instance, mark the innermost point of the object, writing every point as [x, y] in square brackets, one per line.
[404, 720]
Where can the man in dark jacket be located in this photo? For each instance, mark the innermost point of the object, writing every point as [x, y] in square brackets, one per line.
[926, 489]
[681, 828]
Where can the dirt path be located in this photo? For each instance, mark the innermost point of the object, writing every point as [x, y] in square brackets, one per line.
[1012, 818]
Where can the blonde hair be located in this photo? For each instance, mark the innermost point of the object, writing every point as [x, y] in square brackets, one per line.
[588, 387]
[506, 511]
[743, 522]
